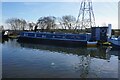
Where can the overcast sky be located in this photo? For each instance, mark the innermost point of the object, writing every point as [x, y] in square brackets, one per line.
[105, 12]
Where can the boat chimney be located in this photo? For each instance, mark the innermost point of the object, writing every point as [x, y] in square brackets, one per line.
[109, 30]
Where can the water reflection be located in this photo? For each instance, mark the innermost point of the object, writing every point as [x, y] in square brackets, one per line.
[3, 40]
[65, 62]
[97, 52]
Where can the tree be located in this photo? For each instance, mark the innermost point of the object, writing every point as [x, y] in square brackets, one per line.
[16, 24]
[68, 21]
[47, 22]
[1, 27]
[61, 23]
[22, 24]
[31, 25]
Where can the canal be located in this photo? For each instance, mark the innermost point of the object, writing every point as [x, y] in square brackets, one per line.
[21, 60]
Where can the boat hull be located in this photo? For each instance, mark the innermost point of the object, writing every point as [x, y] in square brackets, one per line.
[115, 46]
[115, 43]
[65, 43]
[91, 44]
[4, 36]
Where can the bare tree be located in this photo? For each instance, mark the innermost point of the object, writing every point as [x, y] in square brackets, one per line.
[68, 21]
[47, 22]
[1, 27]
[22, 24]
[31, 25]
[12, 24]
[61, 23]
[41, 22]
[16, 24]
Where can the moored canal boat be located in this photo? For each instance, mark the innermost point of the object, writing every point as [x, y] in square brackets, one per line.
[115, 42]
[4, 34]
[69, 40]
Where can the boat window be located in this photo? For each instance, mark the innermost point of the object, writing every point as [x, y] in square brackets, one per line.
[58, 36]
[49, 36]
[31, 34]
[77, 37]
[43, 35]
[70, 37]
[82, 37]
[21, 34]
[39, 35]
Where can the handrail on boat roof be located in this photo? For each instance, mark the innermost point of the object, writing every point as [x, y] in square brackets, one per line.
[54, 33]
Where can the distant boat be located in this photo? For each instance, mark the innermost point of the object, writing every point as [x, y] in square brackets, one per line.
[5, 34]
[115, 42]
[61, 39]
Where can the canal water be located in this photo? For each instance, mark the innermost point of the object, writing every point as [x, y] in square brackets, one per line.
[21, 60]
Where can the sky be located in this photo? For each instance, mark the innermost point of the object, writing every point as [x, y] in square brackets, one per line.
[119, 15]
[105, 12]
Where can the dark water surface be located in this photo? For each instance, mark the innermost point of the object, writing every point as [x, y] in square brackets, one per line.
[20, 60]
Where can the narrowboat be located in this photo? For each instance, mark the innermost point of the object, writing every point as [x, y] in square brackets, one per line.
[61, 39]
[4, 34]
[115, 42]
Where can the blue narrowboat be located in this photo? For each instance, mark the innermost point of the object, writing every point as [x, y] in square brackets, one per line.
[61, 39]
[115, 42]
